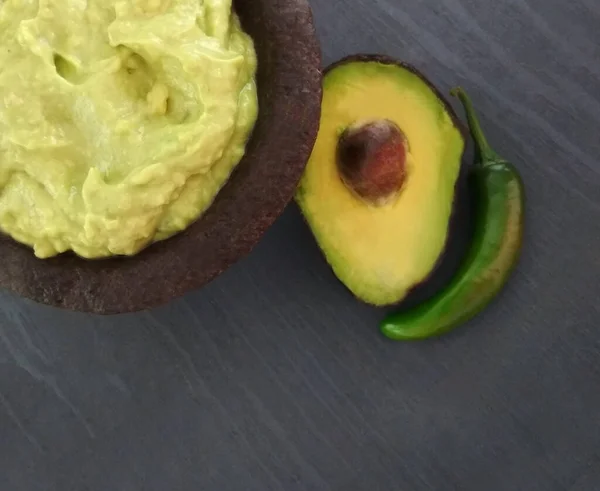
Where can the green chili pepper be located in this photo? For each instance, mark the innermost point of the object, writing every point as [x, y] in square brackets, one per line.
[493, 254]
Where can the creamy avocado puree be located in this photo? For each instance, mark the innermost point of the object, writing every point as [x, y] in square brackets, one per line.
[120, 120]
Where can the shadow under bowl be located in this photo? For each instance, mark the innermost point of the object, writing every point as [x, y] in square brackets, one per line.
[289, 89]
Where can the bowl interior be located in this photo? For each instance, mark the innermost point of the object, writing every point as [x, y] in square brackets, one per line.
[289, 88]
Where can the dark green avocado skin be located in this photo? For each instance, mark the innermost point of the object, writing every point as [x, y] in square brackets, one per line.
[459, 229]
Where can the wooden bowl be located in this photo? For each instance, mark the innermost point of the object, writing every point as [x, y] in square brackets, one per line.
[289, 87]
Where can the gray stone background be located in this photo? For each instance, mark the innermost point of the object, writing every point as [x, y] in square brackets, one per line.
[261, 383]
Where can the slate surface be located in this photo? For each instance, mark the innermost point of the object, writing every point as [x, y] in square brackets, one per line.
[273, 378]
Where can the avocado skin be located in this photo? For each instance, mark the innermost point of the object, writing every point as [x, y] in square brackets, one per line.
[290, 90]
[460, 229]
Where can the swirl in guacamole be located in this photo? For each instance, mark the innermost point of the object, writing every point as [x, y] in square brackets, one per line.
[120, 120]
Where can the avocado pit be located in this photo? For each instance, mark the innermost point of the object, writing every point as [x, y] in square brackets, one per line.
[371, 160]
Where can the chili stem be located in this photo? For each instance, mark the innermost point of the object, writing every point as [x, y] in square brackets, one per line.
[486, 153]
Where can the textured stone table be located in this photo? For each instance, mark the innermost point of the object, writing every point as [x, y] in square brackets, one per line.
[260, 383]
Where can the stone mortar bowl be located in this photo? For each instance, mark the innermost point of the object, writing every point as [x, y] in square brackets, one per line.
[289, 86]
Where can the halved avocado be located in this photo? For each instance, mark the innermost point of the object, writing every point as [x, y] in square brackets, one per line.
[379, 188]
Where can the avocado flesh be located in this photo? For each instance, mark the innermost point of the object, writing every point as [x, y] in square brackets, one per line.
[380, 253]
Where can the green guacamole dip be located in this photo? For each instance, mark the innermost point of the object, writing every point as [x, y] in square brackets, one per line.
[120, 120]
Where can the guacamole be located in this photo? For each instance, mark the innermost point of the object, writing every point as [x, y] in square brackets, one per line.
[120, 120]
